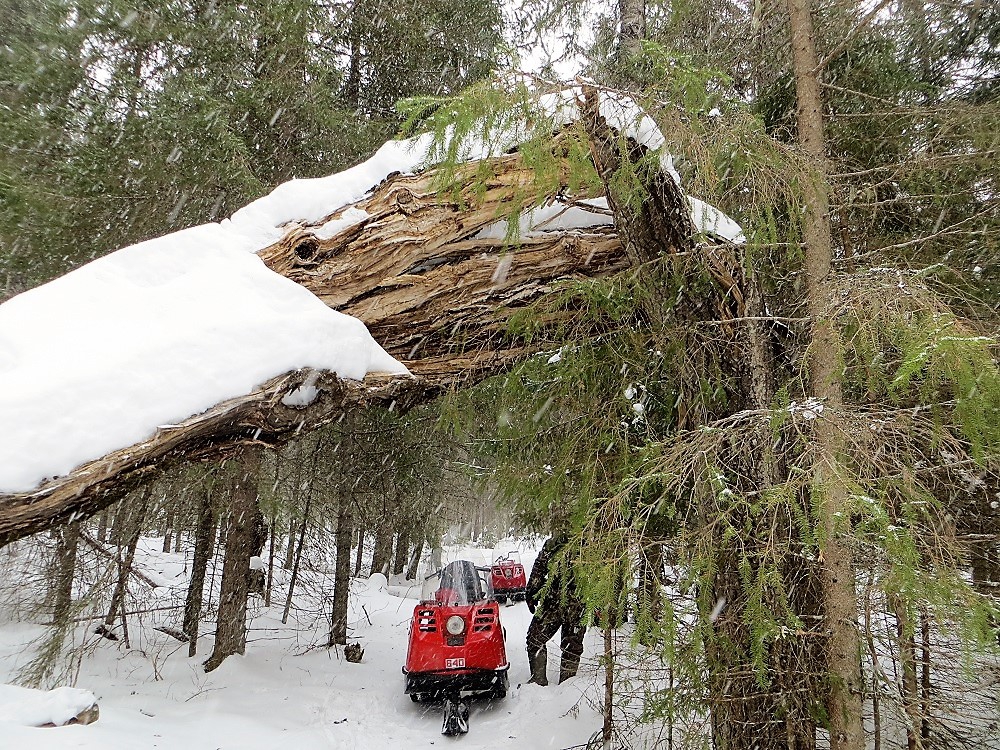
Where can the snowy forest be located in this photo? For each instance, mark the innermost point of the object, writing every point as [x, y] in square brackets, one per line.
[304, 301]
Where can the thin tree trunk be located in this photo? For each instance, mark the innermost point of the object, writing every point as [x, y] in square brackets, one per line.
[418, 550]
[179, 525]
[908, 661]
[270, 560]
[203, 544]
[68, 538]
[297, 560]
[230, 629]
[117, 533]
[102, 527]
[358, 561]
[925, 676]
[838, 570]
[125, 565]
[607, 728]
[168, 534]
[342, 578]
[402, 555]
[290, 549]
[383, 548]
[258, 538]
[873, 655]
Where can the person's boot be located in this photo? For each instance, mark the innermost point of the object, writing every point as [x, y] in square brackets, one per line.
[567, 669]
[538, 661]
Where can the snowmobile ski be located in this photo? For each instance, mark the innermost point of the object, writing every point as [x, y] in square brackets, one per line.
[456, 716]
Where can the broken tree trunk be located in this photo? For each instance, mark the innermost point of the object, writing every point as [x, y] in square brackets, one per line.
[431, 292]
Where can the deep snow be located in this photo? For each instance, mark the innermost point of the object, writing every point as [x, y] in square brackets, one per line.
[288, 691]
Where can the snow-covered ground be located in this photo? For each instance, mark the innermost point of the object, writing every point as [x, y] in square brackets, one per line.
[289, 690]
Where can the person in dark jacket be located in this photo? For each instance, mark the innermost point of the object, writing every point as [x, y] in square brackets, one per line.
[558, 608]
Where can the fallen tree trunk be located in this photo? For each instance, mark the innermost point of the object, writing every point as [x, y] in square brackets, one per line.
[434, 295]
[216, 433]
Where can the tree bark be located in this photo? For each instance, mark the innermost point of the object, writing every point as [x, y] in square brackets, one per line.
[838, 570]
[342, 576]
[418, 550]
[402, 553]
[359, 560]
[907, 650]
[125, 565]
[168, 530]
[270, 559]
[204, 543]
[297, 559]
[67, 541]
[383, 547]
[632, 30]
[424, 284]
[230, 629]
[102, 527]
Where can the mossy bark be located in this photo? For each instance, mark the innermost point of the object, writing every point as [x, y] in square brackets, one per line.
[843, 702]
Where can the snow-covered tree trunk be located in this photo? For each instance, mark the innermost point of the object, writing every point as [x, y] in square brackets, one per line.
[426, 286]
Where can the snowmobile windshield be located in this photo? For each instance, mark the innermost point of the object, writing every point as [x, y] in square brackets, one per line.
[458, 583]
[513, 556]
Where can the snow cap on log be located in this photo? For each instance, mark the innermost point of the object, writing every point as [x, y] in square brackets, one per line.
[189, 343]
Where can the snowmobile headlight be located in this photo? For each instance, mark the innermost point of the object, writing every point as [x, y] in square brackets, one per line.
[455, 625]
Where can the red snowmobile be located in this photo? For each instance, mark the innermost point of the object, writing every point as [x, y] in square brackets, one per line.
[456, 648]
[507, 577]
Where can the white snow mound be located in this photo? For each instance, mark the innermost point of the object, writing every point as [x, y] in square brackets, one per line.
[36, 708]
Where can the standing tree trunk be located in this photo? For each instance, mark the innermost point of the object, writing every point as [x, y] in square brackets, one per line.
[358, 561]
[102, 527]
[608, 726]
[402, 555]
[838, 570]
[297, 558]
[170, 514]
[342, 578]
[179, 522]
[270, 559]
[418, 550]
[632, 30]
[230, 630]
[259, 533]
[907, 648]
[203, 544]
[125, 565]
[383, 547]
[290, 548]
[67, 539]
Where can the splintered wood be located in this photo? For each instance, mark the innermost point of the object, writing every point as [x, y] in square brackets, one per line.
[433, 295]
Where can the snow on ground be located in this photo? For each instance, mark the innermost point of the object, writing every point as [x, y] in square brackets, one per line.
[289, 691]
